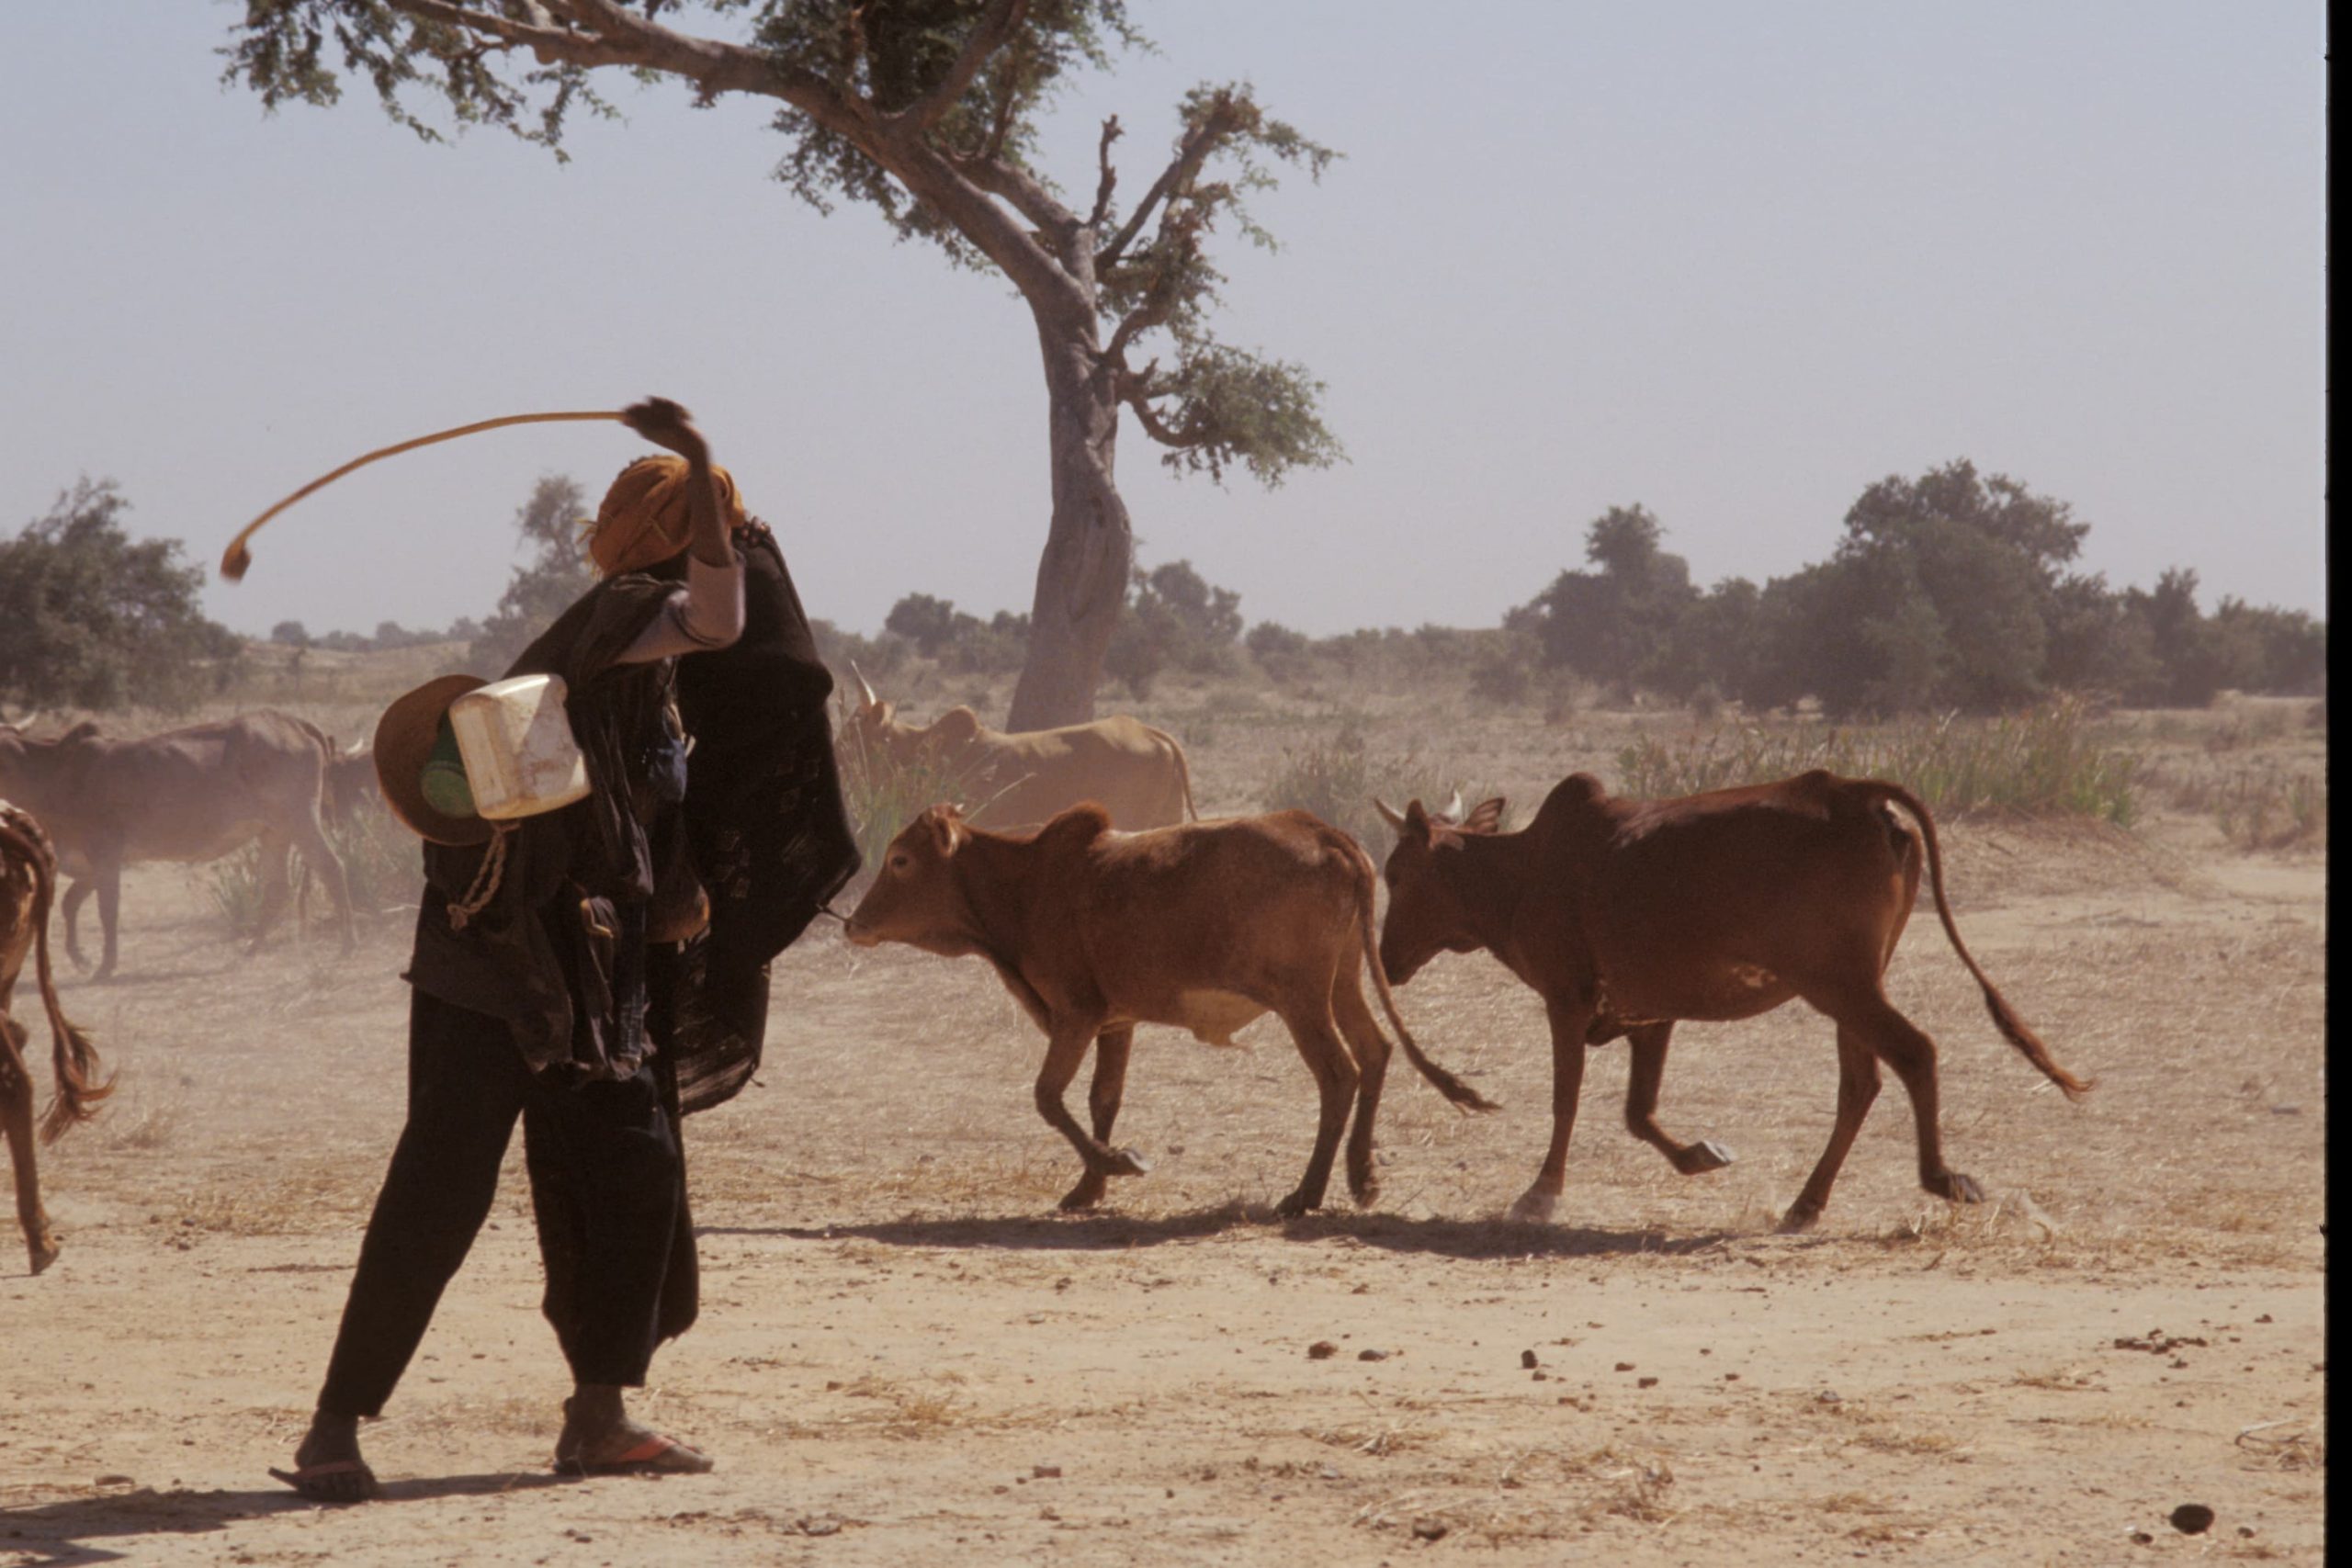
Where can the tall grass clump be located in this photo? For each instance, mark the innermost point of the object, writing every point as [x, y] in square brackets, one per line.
[2271, 809]
[382, 865]
[1337, 779]
[883, 794]
[2044, 762]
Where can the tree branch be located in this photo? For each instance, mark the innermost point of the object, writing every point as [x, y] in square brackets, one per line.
[1194, 150]
[987, 37]
[1110, 179]
[1136, 398]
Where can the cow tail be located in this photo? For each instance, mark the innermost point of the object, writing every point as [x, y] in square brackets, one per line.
[1183, 775]
[328, 809]
[1446, 1084]
[2004, 1017]
[75, 1058]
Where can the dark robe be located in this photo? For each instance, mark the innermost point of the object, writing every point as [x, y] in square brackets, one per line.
[770, 835]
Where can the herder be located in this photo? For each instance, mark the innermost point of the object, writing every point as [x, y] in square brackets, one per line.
[536, 945]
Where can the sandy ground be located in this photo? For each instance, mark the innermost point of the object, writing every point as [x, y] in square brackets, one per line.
[906, 1356]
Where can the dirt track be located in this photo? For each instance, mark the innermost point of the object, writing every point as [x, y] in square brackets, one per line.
[904, 1357]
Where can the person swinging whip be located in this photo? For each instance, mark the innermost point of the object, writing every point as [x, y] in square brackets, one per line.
[540, 941]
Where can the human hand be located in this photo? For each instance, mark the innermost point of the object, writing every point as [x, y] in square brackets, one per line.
[666, 424]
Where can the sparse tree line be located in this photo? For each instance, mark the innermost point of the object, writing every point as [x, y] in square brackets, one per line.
[1950, 592]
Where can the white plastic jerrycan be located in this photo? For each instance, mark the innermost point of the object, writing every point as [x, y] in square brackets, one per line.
[520, 757]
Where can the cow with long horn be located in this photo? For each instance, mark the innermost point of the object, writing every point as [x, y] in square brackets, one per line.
[1136, 773]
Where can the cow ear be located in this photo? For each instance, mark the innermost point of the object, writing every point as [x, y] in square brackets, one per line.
[1485, 818]
[1417, 823]
[881, 711]
[947, 826]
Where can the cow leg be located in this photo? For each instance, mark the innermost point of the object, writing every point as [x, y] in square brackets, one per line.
[1568, 1016]
[1064, 1050]
[318, 858]
[69, 909]
[271, 867]
[1102, 1097]
[1371, 1047]
[1857, 1088]
[1336, 1077]
[109, 880]
[1904, 1047]
[16, 1126]
[1648, 1043]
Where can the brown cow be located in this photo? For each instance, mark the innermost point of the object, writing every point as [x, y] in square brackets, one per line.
[1626, 916]
[1018, 780]
[188, 794]
[28, 880]
[1205, 925]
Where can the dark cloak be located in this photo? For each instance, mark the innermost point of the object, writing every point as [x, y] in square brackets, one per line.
[765, 817]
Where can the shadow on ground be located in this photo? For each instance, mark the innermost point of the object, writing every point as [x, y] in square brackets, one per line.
[58, 1535]
[1109, 1232]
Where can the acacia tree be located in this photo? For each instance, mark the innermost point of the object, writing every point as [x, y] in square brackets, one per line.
[927, 111]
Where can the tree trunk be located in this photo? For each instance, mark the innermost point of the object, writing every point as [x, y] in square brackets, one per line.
[1090, 545]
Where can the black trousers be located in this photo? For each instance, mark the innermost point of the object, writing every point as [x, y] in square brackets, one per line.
[607, 1189]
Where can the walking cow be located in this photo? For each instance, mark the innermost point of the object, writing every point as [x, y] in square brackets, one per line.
[28, 880]
[1627, 916]
[188, 794]
[1205, 925]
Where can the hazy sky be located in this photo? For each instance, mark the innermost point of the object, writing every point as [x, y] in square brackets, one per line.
[1733, 262]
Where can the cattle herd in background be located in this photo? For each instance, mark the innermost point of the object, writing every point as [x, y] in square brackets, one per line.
[1074, 862]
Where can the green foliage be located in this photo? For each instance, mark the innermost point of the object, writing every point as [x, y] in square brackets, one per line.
[2042, 761]
[92, 617]
[1617, 625]
[962, 643]
[1174, 619]
[543, 588]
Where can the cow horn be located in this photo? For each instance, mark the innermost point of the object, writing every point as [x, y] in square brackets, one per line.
[863, 685]
[1454, 807]
[1388, 814]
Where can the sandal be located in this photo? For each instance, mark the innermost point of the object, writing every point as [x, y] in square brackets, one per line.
[657, 1455]
[332, 1481]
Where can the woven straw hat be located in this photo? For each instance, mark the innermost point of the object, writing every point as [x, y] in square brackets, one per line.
[404, 738]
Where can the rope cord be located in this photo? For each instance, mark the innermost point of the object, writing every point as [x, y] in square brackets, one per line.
[237, 560]
[487, 879]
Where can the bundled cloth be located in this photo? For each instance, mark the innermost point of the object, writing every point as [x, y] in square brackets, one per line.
[645, 520]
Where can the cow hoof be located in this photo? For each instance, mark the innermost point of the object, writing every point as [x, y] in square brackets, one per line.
[1534, 1208]
[1297, 1204]
[1366, 1194]
[1959, 1189]
[1126, 1162]
[1085, 1195]
[1799, 1220]
[1704, 1155]
[44, 1253]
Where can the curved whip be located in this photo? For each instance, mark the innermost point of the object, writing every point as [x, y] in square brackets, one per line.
[237, 560]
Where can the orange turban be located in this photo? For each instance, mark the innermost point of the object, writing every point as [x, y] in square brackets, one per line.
[644, 519]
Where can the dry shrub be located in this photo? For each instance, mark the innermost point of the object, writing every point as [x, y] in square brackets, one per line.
[1338, 780]
[2045, 762]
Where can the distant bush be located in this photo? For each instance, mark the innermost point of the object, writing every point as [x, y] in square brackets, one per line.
[92, 617]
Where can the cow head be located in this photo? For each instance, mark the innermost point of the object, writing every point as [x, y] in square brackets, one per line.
[1426, 913]
[916, 896]
[875, 733]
